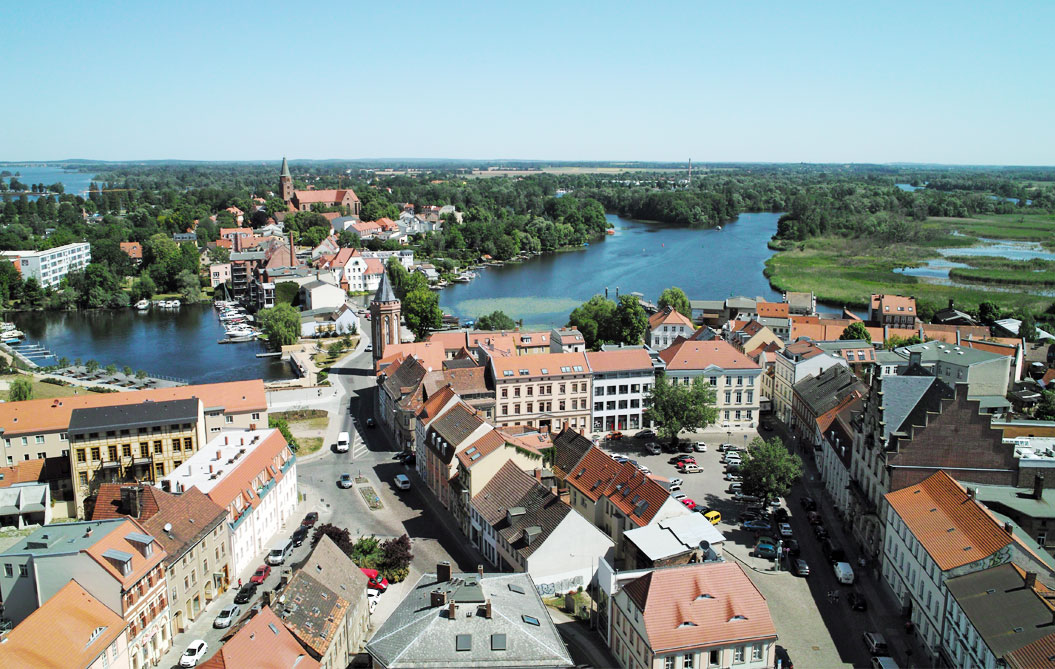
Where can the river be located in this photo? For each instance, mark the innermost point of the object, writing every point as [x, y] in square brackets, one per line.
[640, 257]
[175, 343]
[75, 183]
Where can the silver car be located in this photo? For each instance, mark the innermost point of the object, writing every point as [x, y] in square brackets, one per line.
[227, 616]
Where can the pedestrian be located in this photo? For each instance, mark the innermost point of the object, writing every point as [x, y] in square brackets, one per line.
[239, 583]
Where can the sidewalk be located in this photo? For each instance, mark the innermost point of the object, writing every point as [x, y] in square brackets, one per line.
[589, 644]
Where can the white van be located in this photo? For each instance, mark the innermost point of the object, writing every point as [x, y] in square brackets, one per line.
[343, 442]
[279, 552]
[844, 573]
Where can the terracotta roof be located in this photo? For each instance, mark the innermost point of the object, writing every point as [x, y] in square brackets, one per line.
[373, 266]
[481, 448]
[952, 527]
[117, 539]
[27, 471]
[133, 249]
[467, 380]
[619, 360]
[669, 316]
[554, 364]
[189, 516]
[53, 415]
[689, 354]
[432, 406]
[694, 606]
[314, 613]
[569, 447]
[638, 496]
[450, 340]
[772, 309]
[430, 355]
[894, 304]
[496, 344]
[60, 632]
[402, 378]
[592, 474]
[324, 196]
[254, 463]
[261, 643]
[991, 346]
[1038, 655]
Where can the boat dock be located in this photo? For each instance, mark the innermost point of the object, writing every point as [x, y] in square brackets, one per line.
[270, 354]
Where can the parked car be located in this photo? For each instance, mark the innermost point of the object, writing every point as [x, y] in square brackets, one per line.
[345, 481]
[680, 496]
[689, 468]
[766, 548]
[756, 526]
[793, 547]
[194, 653]
[245, 593]
[820, 532]
[261, 574]
[668, 447]
[300, 534]
[857, 601]
[674, 487]
[699, 447]
[807, 503]
[227, 616]
[375, 581]
[646, 434]
[653, 448]
[781, 515]
[369, 348]
[800, 567]
[402, 482]
[783, 659]
[730, 476]
[732, 469]
[676, 481]
[685, 447]
[723, 447]
[814, 518]
[746, 499]
[713, 516]
[785, 530]
[310, 519]
[875, 643]
[689, 502]
[734, 488]
[370, 422]
[883, 662]
[614, 436]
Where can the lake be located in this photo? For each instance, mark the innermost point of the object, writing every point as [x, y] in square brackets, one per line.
[177, 343]
[76, 183]
[640, 257]
[937, 269]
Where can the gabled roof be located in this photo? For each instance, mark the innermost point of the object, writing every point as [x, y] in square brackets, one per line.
[901, 394]
[636, 495]
[455, 426]
[592, 474]
[263, 642]
[687, 354]
[312, 612]
[772, 309]
[72, 629]
[328, 565]
[1036, 655]
[826, 390]
[27, 471]
[124, 538]
[489, 443]
[952, 527]
[403, 378]
[504, 490]
[543, 364]
[537, 510]
[569, 447]
[432, 406]
[669, 316]
[694, 606]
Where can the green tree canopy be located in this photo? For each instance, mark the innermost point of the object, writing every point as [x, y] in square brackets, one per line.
[675, 297]
[496, 320]
[421, 310]
[281, 325]
[189, 286]
[768, 469]
[856, 330]
[988, 313]
[629, 321]
[675, 406]
[20, 390]
[1046, 407]
[593, 319]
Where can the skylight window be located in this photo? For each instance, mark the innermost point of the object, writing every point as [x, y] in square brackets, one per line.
[463, 642]
[577, 368]
[95, 634]
[544, 370]
[737, 617]
[565, 369]
[516, 588]
[525, 372]
[530, 620]
[687, 623]
[498, 642]
[507, 372]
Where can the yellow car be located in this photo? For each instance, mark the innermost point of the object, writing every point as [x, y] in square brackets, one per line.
[713, 516]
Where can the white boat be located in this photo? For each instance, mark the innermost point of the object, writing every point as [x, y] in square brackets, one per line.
[143, 305]
[7, 326]
[242, 331]
[718, 228]
[13, 334]
[174, 304]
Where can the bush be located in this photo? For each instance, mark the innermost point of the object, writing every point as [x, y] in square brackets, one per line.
[54, 381]
[283, 427]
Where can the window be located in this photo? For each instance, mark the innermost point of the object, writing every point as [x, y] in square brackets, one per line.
[530, 391]
[159, 469]
[598, 391]
[157, 447]
[228, 419]
[39, 439]
[505, 392]
[505, 409]
[516, 391]
[95, 453]
[126, 450]
[728, 397]
[716, 658]
[23, 570]
[255, 415]
[9, 570]
[112, 452]
[687, 662]
[81, 457]
[83, 478]
[739, 397]
[756, 651]
[175, 444]
[738, 654]
[713, 380]
[598, 406]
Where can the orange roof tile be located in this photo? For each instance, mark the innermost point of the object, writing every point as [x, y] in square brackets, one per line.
[690, 354]
[59, 633]
[669, 316]
[261, 643]
[640, 487]
[324, 196]
[1036, 655]
[991, 346]
[554, 364]
[247, 468]
[430, 355]
[618, 360]
[374, 266]
[592, 473]
[718, 601]
[952, 527]
[481, 448]
[772, 309]
[53, 415]
[116, 539]
[27, 471]
[133, 249]
[433, 405]
[894, 304]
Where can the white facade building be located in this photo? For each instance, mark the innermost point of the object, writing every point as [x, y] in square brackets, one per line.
[252, 474]
[622, 379]
[791, 365]
[51, 266]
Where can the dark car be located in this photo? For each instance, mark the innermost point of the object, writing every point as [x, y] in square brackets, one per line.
[857, 601]
[732, 469]
[310, 519]
[799, 567]
[646, 434]
[807, 503]
[766, 548]
[783, 659]
[685, 447]
[669, 447]
[675, 460]
[814, 518]
[781, 515]
[832, 551]
[820, 532]
[756, 526]
[370, 422]
[793, 547]
[300, 534]
[245, 593]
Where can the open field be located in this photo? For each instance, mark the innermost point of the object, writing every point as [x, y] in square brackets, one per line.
[1021, 227]
[40, 390]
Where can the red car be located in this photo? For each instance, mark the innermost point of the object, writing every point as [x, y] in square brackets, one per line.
[261, 574]
[377, 581]
[689, 503]
[613, 436]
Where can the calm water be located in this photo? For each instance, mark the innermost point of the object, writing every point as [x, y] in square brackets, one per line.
[639, 257]
[76, 183]
[177, 343]
[937, 269]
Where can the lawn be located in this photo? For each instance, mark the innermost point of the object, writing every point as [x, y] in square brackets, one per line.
[1019, 227]
[43, 390]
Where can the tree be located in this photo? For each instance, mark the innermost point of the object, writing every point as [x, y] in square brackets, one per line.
[768, 469]
[675, 298]
[421, 310]
[219, 254]
[675, 406]
[856, 330]
[1046, 407]
[111, 369]
[629, 321]
[91, 366]
[396, 555]
[189, 286]
[349, 240]
[126, 370]
[335, 349]
[32, 294]
[141, 374]
[143, 288]
[282, 426]
[339, 536]
[1028, 329]
[64, 361]
[21, 389]
[281, 324]
[988, 313]
[593, 319]
[496, 320]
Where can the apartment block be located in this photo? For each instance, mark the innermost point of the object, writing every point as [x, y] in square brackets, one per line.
[622, 381]
[544, 391]
[51, 266]
[735, 378]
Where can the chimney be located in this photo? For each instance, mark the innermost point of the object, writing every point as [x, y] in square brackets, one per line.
[480, 570]
[443, 572]
[1038, 487]
[1031, 579]
[886, 332]
[237, 243]
[487, 606]
[131, 500]
[957, 334]
[226, 440]
[1009, 528]
[437, 598]
[452, 611]
[921, 333]
[219, 454]
[951, 303]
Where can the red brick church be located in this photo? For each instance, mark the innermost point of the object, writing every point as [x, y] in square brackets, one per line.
[301, 200]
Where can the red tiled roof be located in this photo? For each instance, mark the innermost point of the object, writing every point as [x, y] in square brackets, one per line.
[952, 527]
[433, 405]
[133, 249]
[27, 471]
[373, 266]
[248, 468]
[262, 643]
[481, 448]
[324, 196]
[1036, 655]
[894, 304]
[690, 354]
[701, 605]
[116, 539]
[669, 316]
[592, 473]
[640, 487]
[618, 360]
[428, 354]
[772, 309]
[534, 364]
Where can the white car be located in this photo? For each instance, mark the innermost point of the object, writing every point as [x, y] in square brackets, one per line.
[676, 481]
[674, 487]
[680, 496]
[369, 348]
[194, 653]
[644, 470]
[402, 482]
[785, 530]
[227, 616]
[699, 447]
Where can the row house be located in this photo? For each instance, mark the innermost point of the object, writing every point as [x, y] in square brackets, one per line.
[252, 475]
[451, 431]
[986, 374]
[748, 336]
[792, 364]
[566, 340]
[398, 398]
[622, 382]
[89, 635]
[192, 530]
[835, 429]
[735, 378]
[893, 310]
[544, 391]
[262, 636]
[513, 342]
[859, 354]
[690, 617]
[936, 531]
[816, 395]
[116, 561]
[525, 527]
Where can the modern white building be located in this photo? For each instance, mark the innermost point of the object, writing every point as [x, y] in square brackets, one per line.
[318, 294]
[252, 474]
[51, 266]
[622, 379]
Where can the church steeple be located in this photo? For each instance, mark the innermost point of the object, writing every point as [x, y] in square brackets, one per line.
[285, 183]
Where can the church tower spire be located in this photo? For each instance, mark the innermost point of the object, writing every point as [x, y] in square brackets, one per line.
[285, 183]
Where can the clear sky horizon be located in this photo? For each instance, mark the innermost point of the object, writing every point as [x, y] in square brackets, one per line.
[923, 82]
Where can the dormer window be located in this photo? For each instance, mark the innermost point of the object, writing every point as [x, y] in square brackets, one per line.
[95, 635]
[144, 542]
[687, 623]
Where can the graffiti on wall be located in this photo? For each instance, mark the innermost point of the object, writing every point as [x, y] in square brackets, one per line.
[559, 587]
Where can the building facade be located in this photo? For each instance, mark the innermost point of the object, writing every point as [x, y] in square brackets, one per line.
[735, 378]
[622, 382]
[545, 391]
[51, 266]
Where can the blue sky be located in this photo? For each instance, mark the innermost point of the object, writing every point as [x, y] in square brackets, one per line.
[948, 82]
